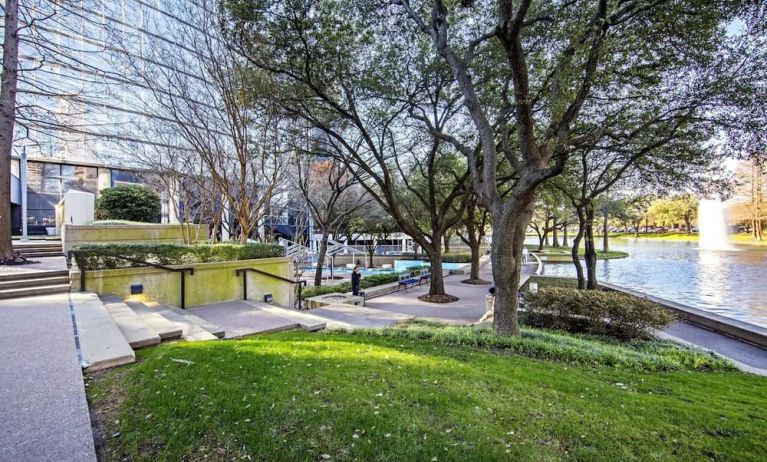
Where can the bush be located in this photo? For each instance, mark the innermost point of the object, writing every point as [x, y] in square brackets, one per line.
[128, 202]
[92, 256]
[596, 312]
[456, 257]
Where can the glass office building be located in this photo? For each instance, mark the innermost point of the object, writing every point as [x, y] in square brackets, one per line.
[80, 113]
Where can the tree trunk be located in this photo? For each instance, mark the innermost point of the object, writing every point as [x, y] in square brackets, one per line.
[554, 234]
[576, 248]
[437, 281]
[605, 237]
[541, 238]
[447, 243]
[509, 228]
[474, 246]
[244, 228]
[590, 251]
[564, 235]
[370, 258]
[7, 122]
[321, 260]
[546, 237]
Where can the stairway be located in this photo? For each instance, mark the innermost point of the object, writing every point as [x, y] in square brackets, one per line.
[39, 249]
[109, 328]
[34, 283]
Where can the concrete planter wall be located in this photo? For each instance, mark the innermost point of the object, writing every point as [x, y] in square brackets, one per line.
[72, 235]
[210, 283]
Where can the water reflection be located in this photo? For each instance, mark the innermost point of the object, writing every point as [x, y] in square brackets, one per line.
[727, 282]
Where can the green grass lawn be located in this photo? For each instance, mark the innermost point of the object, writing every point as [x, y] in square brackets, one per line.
[563, 254]
[740, 238]
[421, 393]
[548, 281]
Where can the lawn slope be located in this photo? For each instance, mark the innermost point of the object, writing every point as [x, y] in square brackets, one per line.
[413, 396]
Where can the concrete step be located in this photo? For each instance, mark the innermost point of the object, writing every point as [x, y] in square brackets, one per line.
[33, 275]
[129, 323]
[305, 320]
[191, 332]
[102, 344]
[33, 291]
[34, 282]
[242, 319]
[166, 329]
[41, 254]
[214, 329]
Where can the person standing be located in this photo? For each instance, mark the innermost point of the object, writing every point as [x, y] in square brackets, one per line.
[356, 279]
[525, 255]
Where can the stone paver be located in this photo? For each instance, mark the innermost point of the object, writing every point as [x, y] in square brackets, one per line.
[43, 410]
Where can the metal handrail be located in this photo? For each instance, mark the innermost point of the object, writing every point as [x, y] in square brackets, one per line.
[183, 271]
[243, 271]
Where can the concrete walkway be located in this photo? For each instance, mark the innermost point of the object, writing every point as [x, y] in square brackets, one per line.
[467, 310]
[748, 357]
[43, 410]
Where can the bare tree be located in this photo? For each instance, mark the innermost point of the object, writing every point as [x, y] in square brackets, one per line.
[220, 116]
[332, 194]
[43, 40]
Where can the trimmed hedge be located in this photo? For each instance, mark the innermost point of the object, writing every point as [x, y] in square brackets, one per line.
[456, 257]
[595, 312]
[91, 256]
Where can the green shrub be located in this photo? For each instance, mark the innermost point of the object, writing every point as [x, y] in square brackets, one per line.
[128, 202]
[366, 282]
[104, 256]
[456, 257]
[312, 291]
[595, 312]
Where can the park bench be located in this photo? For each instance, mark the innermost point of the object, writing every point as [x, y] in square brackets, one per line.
[405, 279]
[425, 276]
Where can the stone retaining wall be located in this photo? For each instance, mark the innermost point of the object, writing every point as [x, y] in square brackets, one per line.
[210, 283]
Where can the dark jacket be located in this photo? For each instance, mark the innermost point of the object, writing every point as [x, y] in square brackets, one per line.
[356, 277]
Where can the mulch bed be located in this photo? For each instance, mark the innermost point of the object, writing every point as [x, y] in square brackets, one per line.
[476, 282]
[438, 298]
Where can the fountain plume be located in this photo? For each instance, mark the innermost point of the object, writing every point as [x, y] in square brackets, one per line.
[712, 225]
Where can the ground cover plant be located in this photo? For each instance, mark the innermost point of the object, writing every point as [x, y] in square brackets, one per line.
[595, 312]
[105, 256]
[394, 396]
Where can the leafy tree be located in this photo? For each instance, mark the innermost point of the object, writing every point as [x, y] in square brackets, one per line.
[682, 208]
[528, 75]
[128, 202]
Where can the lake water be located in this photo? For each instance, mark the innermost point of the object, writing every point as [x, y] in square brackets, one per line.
[728, 282]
